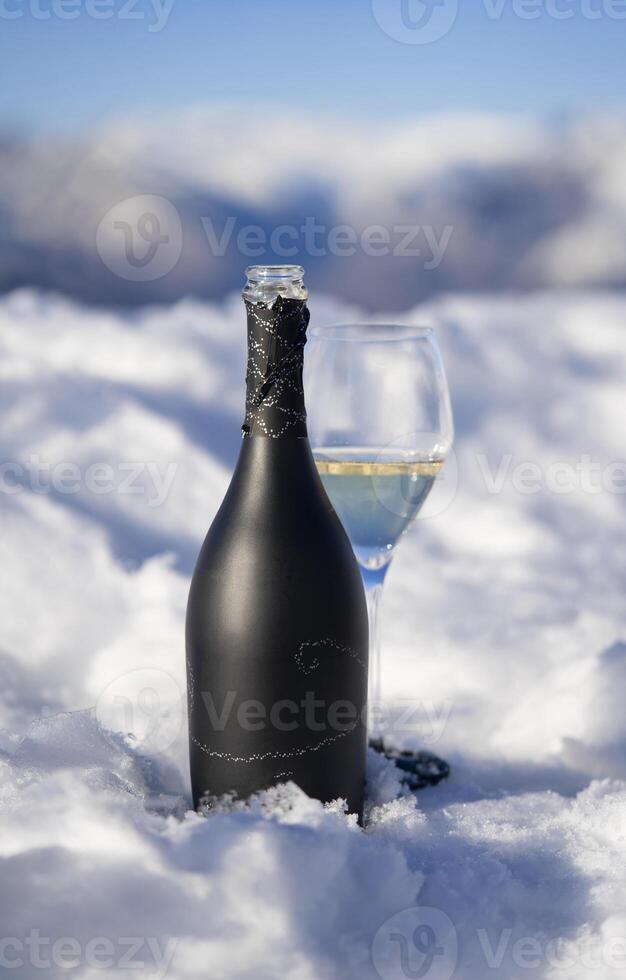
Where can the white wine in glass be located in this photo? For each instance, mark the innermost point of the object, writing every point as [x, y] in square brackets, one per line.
[380, 423]
[377, 499]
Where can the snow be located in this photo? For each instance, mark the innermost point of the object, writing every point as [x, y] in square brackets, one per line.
[504, 651]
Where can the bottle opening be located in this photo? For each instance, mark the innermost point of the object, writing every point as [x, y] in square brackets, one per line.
[267, 282]
[274, 273]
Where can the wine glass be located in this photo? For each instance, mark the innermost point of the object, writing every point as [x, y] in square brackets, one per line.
[380, 425]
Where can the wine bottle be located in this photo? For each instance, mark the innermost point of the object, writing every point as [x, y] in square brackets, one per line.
[277, 632]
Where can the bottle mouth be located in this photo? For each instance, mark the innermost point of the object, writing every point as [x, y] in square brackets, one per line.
[265, 283]
[274, 273]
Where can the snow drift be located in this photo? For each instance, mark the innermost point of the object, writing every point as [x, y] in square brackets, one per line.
[505, 650]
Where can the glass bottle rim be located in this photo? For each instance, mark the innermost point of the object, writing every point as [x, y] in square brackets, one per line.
[274, 273]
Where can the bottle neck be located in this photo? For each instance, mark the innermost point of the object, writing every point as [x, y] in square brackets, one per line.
[274, 390]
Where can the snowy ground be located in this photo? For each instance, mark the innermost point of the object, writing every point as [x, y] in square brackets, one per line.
[504, 625]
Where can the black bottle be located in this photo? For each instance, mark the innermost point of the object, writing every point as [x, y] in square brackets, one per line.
[277, 626]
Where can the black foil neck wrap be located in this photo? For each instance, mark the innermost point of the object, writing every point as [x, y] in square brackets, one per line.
[274, 391]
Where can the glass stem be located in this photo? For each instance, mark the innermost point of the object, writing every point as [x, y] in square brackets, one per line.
[374, 581]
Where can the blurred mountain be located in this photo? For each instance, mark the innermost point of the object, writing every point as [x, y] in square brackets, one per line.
[467, 202]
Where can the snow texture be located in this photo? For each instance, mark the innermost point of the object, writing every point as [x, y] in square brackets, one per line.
[504, 650]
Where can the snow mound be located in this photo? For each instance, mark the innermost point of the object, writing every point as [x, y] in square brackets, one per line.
[504, 650]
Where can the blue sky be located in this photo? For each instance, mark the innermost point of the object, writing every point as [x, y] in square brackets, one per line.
[323, 56]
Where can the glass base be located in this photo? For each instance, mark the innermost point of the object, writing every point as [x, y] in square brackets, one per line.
[419, 769]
